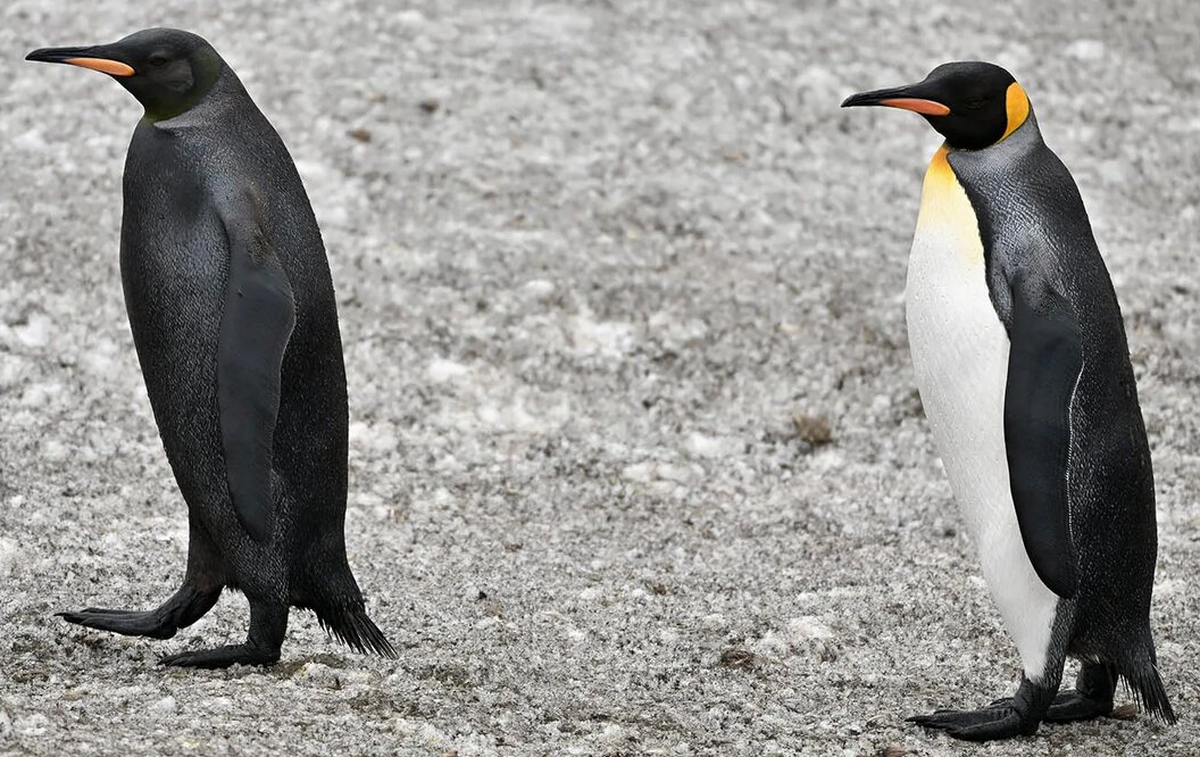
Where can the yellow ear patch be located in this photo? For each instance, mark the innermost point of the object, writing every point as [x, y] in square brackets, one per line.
[1017, 105]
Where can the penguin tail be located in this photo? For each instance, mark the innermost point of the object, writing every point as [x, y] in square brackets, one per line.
[1147, 688]
[350, 625]
[1141, 677]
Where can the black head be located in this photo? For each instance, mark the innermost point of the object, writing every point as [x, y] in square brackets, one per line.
[167, 70]
[972, 104]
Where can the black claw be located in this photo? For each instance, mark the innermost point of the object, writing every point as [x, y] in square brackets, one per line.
[173, 660]
[222, 657]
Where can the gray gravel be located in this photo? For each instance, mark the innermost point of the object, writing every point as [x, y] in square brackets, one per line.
[593, 259]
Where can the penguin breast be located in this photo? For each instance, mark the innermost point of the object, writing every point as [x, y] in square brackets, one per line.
[960, 353]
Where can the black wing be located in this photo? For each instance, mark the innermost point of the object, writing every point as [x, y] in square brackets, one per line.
[255, 327]
[1045, 359]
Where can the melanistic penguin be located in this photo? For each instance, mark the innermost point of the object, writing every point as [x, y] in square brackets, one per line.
[1020, 356]
[233, 315]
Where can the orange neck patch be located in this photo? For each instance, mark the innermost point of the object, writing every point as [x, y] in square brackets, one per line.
[940, 174]
[1017, 105]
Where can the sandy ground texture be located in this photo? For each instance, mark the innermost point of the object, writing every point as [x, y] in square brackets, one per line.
[605, 269]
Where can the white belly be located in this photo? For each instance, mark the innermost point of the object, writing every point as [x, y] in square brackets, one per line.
[960, 356]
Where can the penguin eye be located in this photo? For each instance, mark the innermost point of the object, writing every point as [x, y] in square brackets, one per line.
[976, 103]
[157, 61]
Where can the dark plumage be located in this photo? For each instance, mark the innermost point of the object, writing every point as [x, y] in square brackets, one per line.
[233, 314]
[1074, 448]
[1072, 417]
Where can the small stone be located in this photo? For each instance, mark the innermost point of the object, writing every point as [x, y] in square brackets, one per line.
[1086, 49]
[812, 429]
[739, 659]
[1125, 712]
[166, 704]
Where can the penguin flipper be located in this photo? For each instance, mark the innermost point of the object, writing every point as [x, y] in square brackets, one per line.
[257, 322]
[1044, 363]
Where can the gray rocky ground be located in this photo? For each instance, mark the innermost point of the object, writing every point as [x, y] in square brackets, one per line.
[593, 259]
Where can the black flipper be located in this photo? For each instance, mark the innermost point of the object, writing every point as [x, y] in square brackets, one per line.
[1044, 363]
[255, 327]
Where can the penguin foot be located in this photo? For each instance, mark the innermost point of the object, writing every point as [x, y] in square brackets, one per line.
[127, 622]
[1073, 705]
[185, 607]
[268, 623]
[1003, 719]
[987, 724]
[1070, 706]
[1091, 698]
[223, 657]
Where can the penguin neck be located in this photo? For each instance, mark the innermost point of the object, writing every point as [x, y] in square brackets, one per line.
[225, 93]
[1028, 128]
[1001, 158]
[165, 100]
[1020, 139]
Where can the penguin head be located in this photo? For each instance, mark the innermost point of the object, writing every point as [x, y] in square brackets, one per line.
[972, 104]
[167, 70]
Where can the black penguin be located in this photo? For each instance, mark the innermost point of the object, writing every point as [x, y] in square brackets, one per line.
[233, 314]
[1020, 356]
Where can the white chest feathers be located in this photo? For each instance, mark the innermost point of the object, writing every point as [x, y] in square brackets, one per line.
[960, 356]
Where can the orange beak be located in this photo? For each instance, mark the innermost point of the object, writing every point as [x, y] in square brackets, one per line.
[103, 65]
[917, 105]
[96, 58]
[906, 98]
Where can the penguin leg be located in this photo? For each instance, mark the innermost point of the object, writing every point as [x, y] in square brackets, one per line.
[1004, 719]
[268, 623]
[1091, 698]
[202, 584]
[184, 608]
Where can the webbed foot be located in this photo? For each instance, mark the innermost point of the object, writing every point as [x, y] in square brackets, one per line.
[1003, 719]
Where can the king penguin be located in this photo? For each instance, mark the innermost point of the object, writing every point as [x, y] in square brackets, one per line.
[1020, 357]
[233, 315]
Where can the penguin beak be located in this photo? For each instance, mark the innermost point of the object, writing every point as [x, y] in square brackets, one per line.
[907, 98]
[95, 58]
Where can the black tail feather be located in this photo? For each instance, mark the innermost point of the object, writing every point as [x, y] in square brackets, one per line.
[1148, 689]
[351, 626]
